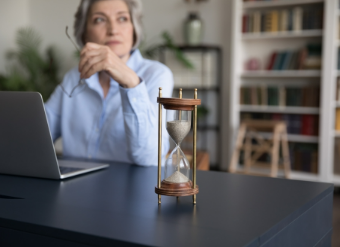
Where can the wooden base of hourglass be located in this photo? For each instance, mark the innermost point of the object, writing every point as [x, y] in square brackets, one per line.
[176, 189]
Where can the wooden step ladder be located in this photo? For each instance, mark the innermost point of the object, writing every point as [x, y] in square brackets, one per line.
[251, 131]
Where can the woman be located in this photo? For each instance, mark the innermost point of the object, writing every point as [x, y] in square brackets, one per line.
[115, 116]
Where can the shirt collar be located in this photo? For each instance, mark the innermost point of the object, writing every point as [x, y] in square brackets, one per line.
[93, 83]
[135, 60]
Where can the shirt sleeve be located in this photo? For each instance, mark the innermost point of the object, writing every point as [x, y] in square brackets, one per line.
[53, 112]
[140, 110]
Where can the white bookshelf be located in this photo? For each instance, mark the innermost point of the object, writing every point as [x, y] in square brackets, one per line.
[279, 109]
[294, 138]
[249, 45]
[336, 180]
[281, 74]
[295, 175]
[303, 138]
[332, 103]
[280, 35]
[278, 3]
[307, 176]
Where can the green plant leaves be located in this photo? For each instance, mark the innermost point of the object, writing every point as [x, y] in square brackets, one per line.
[202, 111]
[28, 69]
[28, 39]
[153, 50]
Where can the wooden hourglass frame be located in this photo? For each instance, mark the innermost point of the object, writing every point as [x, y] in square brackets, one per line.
[180, 104]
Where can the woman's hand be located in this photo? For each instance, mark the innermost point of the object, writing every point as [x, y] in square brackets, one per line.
[95, 58]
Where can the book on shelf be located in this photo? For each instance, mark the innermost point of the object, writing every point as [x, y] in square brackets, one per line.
[312, 58]
[338, 65]
[263, 95]
[311, 96]
[337, 119]
[271, 62]
[256, 22]
[312, 18]
[272, 21]
[339, 29]
[282, 61]
[277, 61]
[307, 96]
[303, 157]
[294, 96]
[337, 91]
[297, 18]
[309, 125]
[281, 20]
[282, 96]
[297, 124]
[336, 152]
[306, 58]
[250, 22]
[301, 57]
[273, 96]
[255, 96]
[286, 61]
[244, 23]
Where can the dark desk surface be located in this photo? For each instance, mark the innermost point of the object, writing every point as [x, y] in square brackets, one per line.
[118, 206]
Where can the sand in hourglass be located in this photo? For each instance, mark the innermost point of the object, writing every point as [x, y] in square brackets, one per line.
[177, 177]
[178, 129]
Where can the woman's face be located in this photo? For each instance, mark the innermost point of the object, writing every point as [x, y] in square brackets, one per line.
[109, 23]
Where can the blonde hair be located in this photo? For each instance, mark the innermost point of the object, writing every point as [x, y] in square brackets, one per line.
[135, 9]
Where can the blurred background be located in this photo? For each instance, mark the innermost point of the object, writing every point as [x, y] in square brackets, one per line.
[250, 60]
[47, 19]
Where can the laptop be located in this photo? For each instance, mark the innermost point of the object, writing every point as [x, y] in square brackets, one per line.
[26, 146]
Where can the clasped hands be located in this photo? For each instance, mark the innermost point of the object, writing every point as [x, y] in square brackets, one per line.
[95, 58]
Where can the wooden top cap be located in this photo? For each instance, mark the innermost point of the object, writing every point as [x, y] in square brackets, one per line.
[179, 104]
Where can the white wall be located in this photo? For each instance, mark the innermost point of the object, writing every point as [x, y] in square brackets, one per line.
[49, 18]
[169, 15]
[13, 14]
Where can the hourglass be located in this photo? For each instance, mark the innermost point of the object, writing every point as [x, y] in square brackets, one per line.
[177, 173]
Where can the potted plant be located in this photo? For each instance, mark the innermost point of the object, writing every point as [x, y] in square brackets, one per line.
[28, 69]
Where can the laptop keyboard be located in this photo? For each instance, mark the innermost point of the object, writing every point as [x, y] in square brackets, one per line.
[65, 170]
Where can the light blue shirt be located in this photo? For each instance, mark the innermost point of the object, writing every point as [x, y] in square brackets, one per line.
[121, 127]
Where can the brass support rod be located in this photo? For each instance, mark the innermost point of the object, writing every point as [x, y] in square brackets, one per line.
[194, 146]
[159, 144]
[179, 118]
[180, 112]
